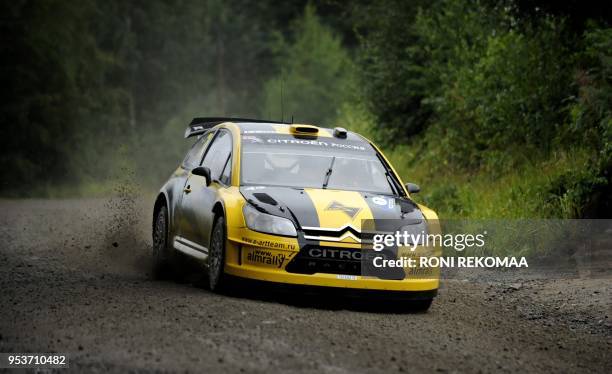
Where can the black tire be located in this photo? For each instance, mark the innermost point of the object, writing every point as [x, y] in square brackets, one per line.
[217, 279]
[161, 251]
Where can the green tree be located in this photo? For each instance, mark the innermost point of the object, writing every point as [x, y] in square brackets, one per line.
[392, 68]
[315, 74]
[56, 89]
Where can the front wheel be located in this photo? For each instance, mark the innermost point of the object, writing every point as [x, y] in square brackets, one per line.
[217, 279]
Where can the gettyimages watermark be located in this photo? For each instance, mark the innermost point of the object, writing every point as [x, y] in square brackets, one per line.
[398, 249]
[401, 249]
[458, 242]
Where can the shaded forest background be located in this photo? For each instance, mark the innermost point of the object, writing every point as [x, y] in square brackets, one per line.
[498, 109]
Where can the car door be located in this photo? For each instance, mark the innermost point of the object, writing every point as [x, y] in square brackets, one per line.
[198, 198]
[191, 160]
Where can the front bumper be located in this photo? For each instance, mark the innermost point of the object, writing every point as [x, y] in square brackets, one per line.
[265, 257]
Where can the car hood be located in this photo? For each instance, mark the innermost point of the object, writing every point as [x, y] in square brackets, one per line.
[329, 209]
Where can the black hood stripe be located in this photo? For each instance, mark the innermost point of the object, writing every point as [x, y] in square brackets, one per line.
[296, 200]
[394, 209]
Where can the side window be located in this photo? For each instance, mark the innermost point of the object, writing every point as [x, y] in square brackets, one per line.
[218, 154]
[194, 155]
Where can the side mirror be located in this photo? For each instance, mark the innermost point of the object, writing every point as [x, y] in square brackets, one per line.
[202, 171]
[413, 188]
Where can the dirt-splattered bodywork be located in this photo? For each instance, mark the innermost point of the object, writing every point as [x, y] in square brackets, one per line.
[328, 221]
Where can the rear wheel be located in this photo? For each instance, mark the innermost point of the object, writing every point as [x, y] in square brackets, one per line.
[161, 252]
[217, 279]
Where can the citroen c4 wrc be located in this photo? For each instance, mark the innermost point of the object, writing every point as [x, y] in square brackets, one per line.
[285, 203]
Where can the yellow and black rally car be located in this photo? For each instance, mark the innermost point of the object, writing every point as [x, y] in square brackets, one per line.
[283, 203]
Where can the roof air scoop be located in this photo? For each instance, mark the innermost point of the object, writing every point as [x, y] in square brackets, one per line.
[304, 129]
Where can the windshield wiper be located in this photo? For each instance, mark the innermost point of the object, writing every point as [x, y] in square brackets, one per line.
[395, 187]
[391, 184]
[328, 173]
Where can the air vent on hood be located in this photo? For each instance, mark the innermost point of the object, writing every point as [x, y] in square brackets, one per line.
[265, 198]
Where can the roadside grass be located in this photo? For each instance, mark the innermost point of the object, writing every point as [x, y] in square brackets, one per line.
[522, 192]
[519, 207]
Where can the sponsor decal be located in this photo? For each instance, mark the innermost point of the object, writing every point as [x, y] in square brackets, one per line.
[269, 244]
[252, 188]
[259, 132]
[336, 253]
[318, 143]
[384, 201]
[346, 276]
[259, 256]
[379, 200]
[348, 254]
[416, 271]
[252, 139]
[350, 211]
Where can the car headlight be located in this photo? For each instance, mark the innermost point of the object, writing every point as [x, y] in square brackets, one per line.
[267, 223]
[415, 232]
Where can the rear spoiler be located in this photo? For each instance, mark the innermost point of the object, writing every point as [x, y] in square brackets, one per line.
[200, 125]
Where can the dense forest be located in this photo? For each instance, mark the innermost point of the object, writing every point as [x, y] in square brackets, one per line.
[498, 109]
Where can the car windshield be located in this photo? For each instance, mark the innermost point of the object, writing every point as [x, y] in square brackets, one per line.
[284, 160]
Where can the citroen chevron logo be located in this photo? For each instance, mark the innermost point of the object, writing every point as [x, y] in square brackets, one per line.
[351, 212]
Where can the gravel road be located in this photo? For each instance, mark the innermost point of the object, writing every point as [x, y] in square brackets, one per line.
[75, 278]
